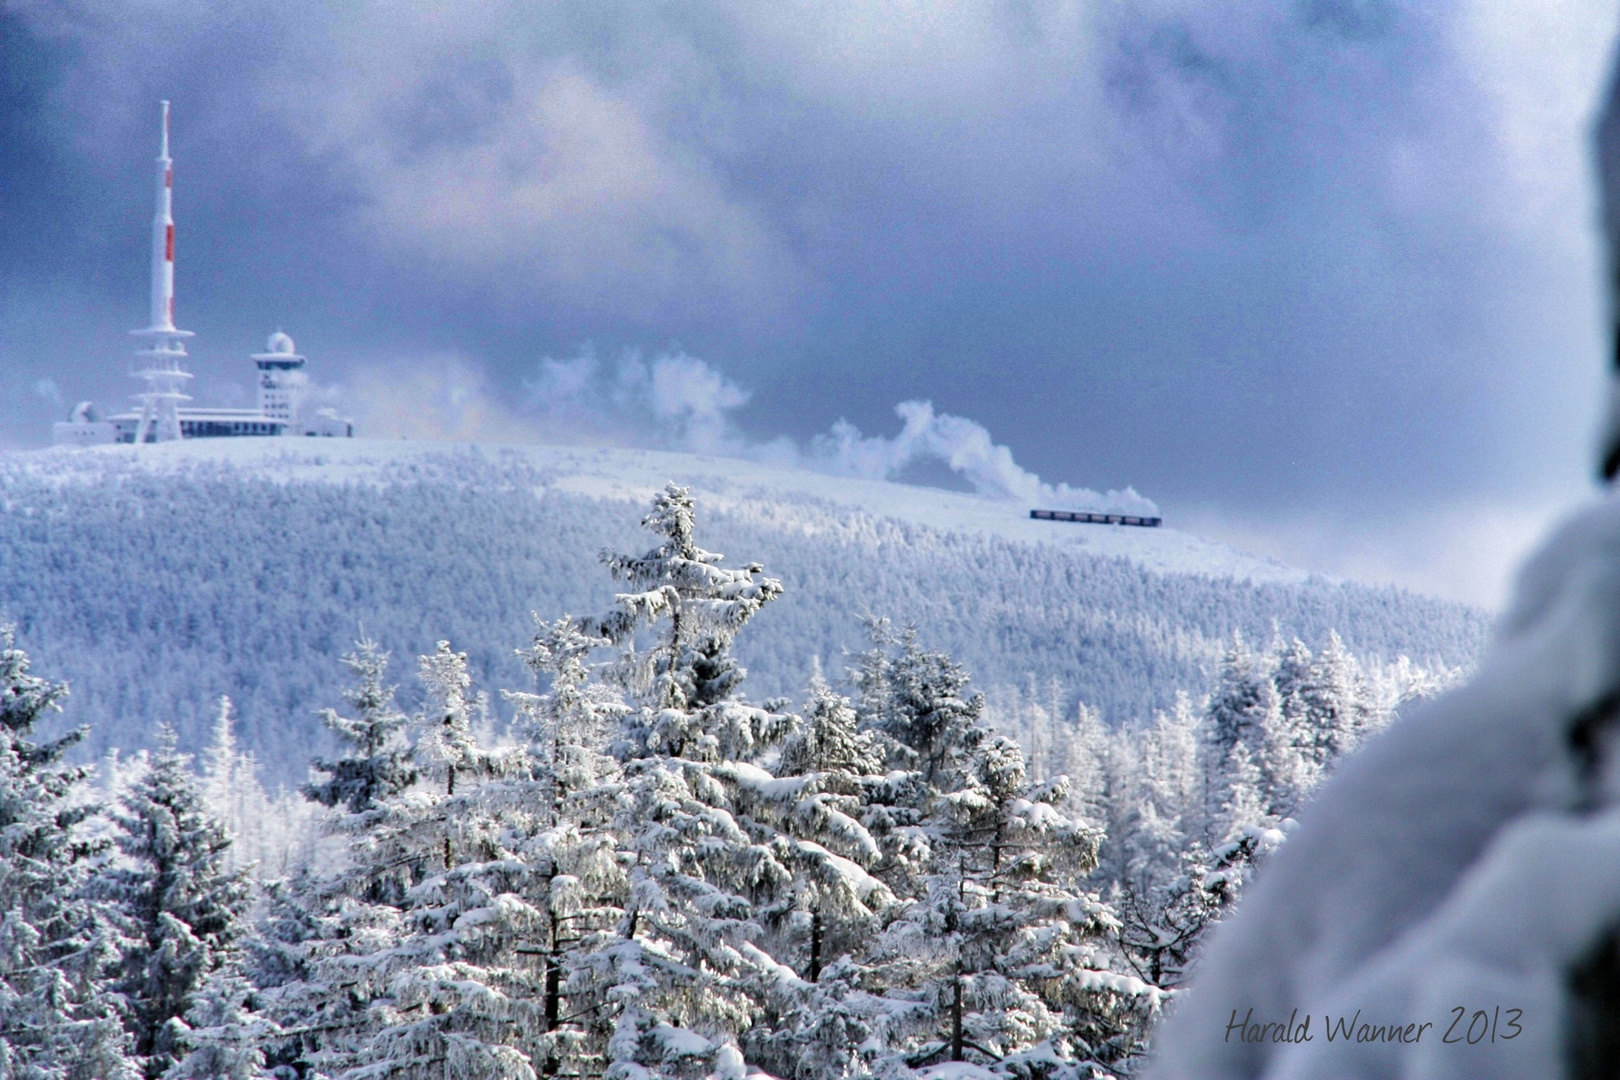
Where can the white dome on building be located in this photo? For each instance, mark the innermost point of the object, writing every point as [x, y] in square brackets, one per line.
[280, 344]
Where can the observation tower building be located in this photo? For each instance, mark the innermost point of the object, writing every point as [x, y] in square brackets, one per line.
[162, 415]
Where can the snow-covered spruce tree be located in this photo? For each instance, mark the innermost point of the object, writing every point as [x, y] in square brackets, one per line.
[1275, 726]
[183, 905]
[445, 981]
[717, 863]
[1155, 861]
[57, 1018]
[1058, 742]
[1080, 752]
[1252, 769]
[221, 1037]
[820, 1017]
[221, 766]
[314, 930]
[294, 931]
[376, 763]
[272, 834]
[997, 959]
[691, 666]
[918, 699]
[840, 773]
[1327, 709]
[573, 791]
[230, 790]
[1154, 794]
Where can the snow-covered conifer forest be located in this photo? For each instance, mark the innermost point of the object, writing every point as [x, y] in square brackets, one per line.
[703, 815]
[155, 582]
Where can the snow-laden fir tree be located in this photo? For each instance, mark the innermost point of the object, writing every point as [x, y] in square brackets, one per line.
[375, 762]
[450, 981]
[821, 797]
[1275, 726]
[704, 604]
[998, 958]
[222, 765]
[917, 698]
[315, 929]
[837, 777]
[735, 871]
[1058, 741]
[1155, 859]
[312, 928]
[184, 906]
[1327, 710]
[913, 705]
[1197, 801]
[681, 974]
[1252, 768]
[1080, 752]
[230, 790]
[57, 1020]
[272, 834]
[221, 1036]
[573, 793]
[293, 933]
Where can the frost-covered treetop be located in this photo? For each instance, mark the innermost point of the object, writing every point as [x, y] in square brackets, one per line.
[26, 697]
[681, 579]
[704, 603]
[378, 763]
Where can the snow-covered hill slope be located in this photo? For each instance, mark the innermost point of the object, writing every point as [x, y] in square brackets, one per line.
[633, 475]
[159, 577]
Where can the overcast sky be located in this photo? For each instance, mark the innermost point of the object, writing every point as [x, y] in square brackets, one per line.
[1316, 275]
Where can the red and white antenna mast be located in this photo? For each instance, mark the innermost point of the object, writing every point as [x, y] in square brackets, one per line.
[164, 375]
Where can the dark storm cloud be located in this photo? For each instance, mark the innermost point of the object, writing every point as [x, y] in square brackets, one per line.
[1262, 254]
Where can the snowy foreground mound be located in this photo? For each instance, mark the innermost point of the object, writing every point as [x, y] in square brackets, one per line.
[1449, 907]
[157, 578]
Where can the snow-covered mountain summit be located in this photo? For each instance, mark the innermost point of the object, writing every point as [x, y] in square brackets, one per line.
[158, 577]
[628, 475]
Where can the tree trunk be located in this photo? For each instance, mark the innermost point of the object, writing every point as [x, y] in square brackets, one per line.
[449, 790]
[553, 1007]
[815, 946]
[956, 1016]
[553, 967]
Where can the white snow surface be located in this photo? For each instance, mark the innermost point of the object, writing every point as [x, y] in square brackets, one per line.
[632, 476]
[1449, 864]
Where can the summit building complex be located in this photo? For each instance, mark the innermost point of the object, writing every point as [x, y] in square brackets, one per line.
[163, 412]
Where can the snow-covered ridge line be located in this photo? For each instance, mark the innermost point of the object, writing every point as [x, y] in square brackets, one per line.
[817, 501]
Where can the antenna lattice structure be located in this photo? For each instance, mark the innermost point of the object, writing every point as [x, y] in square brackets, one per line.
[164, 374]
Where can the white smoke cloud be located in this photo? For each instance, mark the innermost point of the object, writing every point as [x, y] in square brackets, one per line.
[443, 397]
[674, 402]
[678, 401]
[965, 446]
